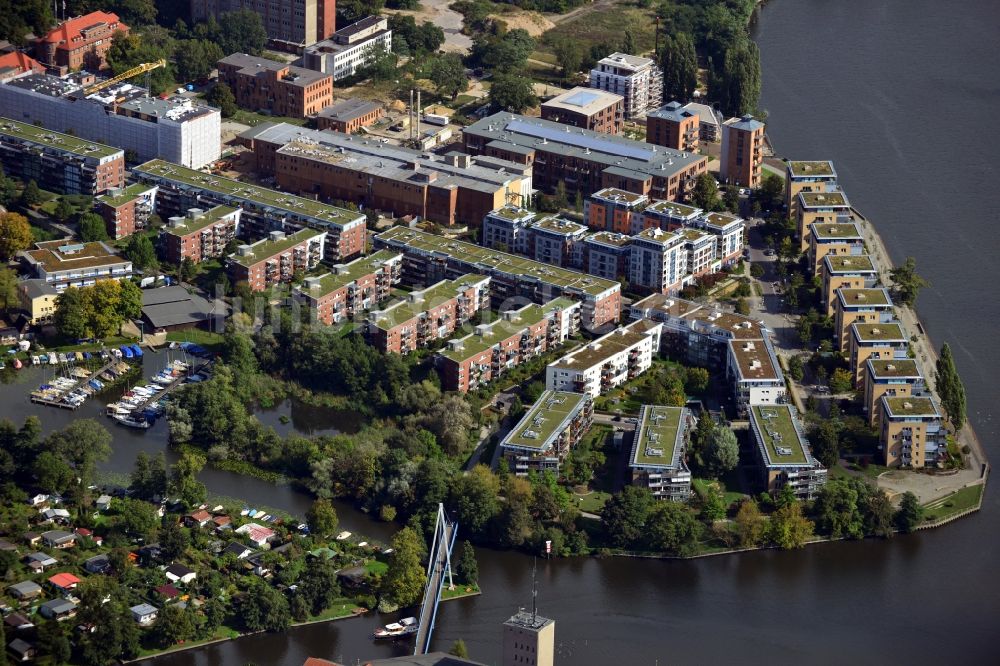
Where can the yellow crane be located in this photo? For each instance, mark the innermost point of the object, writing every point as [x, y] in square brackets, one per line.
[144, 68]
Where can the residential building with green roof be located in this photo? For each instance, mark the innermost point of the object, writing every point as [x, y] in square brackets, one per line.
[862, 306]
[656, 460]
[912, 434]
[807, 176]
[845, 271]
[895, 378]
[276, 259]
[783, 453]
[547, 432]
[818, 208]
[126, 210]
[884, 341]
[352, 288]
[201, 234]
[837, 239]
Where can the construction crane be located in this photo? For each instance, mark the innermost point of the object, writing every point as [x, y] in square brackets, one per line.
[144, 68]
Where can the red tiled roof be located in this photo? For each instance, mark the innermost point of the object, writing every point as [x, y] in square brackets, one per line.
[200, 516]
[316, 661]
[64, 580]
[168, 591]
[69, 30]
[21, 62]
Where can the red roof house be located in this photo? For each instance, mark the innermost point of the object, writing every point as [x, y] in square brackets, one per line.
[81, 42]
[64, 582]
[17, 63]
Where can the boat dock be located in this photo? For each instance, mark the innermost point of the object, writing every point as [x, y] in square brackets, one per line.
[133, 412]
[56, 397]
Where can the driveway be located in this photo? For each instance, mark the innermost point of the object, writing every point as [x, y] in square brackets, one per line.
[440, 14]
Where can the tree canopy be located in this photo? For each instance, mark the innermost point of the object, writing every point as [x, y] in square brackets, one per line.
[950, 388]
[15, 235]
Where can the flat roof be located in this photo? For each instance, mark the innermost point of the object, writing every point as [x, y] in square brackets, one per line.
[558, 225]
[548, 417]
[348, 109]
[266, 248]
[617, 195]
[673, 209]
[486, 259]
[893, 368]
[735, 325]
[66, 255]
[755, 359]
[116, 198]
[911, 406]
[605, 347]
[254, 65]
[657, 235]
[56, 140]
[835, 199]
[513, 214]
[720, 220]
[487, 335]
[175, 306]
[848, 263]
[261, 196]
[691, 234]
[807, 169]
[780, 435]
[659, 439]
[889, 332]
[208, 217]
[625, 60]
[874, 297]
[836, 231]
[609, 238]
[406, 309]
[348, 273]
[583, 100]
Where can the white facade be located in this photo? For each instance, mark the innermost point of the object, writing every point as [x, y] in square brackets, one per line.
[658, 260]
[607, 362]
[753, 368]
[636, 79]
[348, 50]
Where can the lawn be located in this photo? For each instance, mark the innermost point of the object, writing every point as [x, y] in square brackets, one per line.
[590, 28]
[729, 496]
[253, 119]
[459, 592]
[221, 633]
[592, 502]
[957, 502]
[206, 339]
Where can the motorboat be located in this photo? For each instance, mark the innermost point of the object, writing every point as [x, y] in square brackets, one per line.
[405, 627]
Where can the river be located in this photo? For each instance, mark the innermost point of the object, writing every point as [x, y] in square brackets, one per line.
[902, 95]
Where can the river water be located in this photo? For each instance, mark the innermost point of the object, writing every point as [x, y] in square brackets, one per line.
[902, 95]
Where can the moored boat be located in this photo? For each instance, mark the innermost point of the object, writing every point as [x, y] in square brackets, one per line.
[405, 627]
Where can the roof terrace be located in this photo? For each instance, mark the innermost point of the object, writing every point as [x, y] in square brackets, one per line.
[893, 368]
[347, 273]
[890, 332]
[195, 224]
[125, 195]
[486, 335]
[862, 298]
[812, 169]
[267, 248]
[606, 347]
[834, 199]
[418, 302]
[56, 140]
[913, 406]
[834, 231]
[846, 263]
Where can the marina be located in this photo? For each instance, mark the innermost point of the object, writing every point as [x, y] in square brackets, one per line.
[79, 383]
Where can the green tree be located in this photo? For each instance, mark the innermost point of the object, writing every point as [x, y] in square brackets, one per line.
[403, 583]
[196, 58]
[140, 252]
[788, 528]
[184, 482]
[672, 528]
[625, 516]
[750, 524]
[713, 504]
[448, 75]
[263, 608]
[174, 540]
[241, 31]
[467, 568]
[742, 307]
[173, 625]
[31, 195]
[722, 452]
[82, 444]
[795, 368]
[8, 289]
[696, 380]
[950, 388]
[906, 282]
[63, 210]
[836, 510]
[52, 473]
[737, 86]
[826, 443]
[840, 380]
[92, 228]
[221, 97]
[137, 518]
[705, 193]
[53, 641]
[458, 649]
[474, 500]
[321, 518]
[15, 235]
[513, 93]
[569, 54]
[679, 62]
[909, 514]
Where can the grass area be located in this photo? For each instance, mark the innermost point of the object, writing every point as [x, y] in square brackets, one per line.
[871, 471]
[342, 607]
[207, 339]
[701, 486]
[221, 633]
[590, 28]
[592, 502]
[65, 345]
[376, 567]
[253, 119]
[459, 592]
[953, 504]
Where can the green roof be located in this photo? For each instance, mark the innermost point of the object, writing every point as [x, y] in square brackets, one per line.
[490, 334]
[672, 208]
[561, 303]
[888, 368]
[848, 263]
[487, 260]
[823, 199]
[912, 406]
[404, 310]
[124, 196]
[610, 238]
[660, 437]
[775, 426]
[57, 140]
[605, 347]
[264, 249]
[616, 194]
[262, 196]
[878, 332]
[548, 417]
[806, 169]
[348, 273]
[211, 216]
[836, 231]
[558, 225]
[512, 213]
[865, 297]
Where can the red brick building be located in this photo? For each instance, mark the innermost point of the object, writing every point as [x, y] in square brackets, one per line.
[349, 115]
[673, 126]
[277, 258]
[126, 210]
[200, 234]
[17, 63]
[428, 314]
[351, 288]
[587, 108]
[81, 42]
[260, 84]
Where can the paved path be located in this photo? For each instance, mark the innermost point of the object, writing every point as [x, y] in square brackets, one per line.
[440, 14]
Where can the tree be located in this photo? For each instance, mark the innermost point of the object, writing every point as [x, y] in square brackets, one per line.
[137, 518]
[722, 452]
[241, 31]
[31, 195]
[909, 514]
[836, 510]
[53, 641]
[458, 649]
[82, 444]
[221, 96]
[404, 581]
[8, 289]
[907, 283]
[264, 608]
[795, 368]
[63, 210]
[569, 54]
[52, 473]
[321, 518]
[672, 528]
[696, 380]
[877, 512]
[742, 307]
[788, 528]
[750, 524]
[826, 443]
[679, 62]
[140, 252]
[15, 235]
[705, 194]
[173, 625]
[467, 568]
[184, 482]
[319, 586]
[174, 540]
[92, 228]
[950, 388]
[448, 75]
[187, 270]
[737, 86]
[840, 380]
[513, 93]
[196, 58]
[474, 499]
[625, 516]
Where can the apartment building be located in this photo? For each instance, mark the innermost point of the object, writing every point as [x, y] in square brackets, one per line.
[276, 259]
[349, 115]
[893, 378]
[507, 229]
[817, 176]
[673, 126]
[729, 231]
[81, 42]
[16, 63]
[783, 452]
[820, 208]
[447, 189]
[126, 210]
[122, 115]
[659, 445]
[37, 300]
[836, 239]
[610, 361]
[264, 210]
[65, 263]
[912, 434]
[349, 49]
[611, 209]
[862, 306]
[494, 348]
[638, 80]
[666, 215]
[59, 162]
[557, 241]
[201, 234]
[755, 373]
[884, 342]
[429, 258]
[547, 432]
[709, 125]
[428, 315]
[588, 109]
[350, 289]
[290, 24]
[657, 260]
[582, 160]
[845, 272]
[274, 87]
[606, 255]
[742, 154]
[699, 248]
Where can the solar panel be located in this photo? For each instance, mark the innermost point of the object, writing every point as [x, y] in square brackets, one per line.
[580, 140]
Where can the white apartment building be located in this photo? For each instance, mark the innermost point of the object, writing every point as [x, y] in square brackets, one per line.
[657, 261]
[754, 371]
[607, 362]
[729, 231]
[350, 49]
[635, 78]
[66, 263]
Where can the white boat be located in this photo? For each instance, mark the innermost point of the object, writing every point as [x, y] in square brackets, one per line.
[405, 627]
[35, 360]
[343, 535]
[53, 359]
[132, 422]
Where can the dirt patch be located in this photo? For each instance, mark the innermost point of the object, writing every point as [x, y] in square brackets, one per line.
[531, 22]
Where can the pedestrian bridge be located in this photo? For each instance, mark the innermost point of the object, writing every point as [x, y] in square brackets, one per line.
[438, 569]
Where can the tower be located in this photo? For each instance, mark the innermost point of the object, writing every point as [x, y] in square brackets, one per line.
[528, 638]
